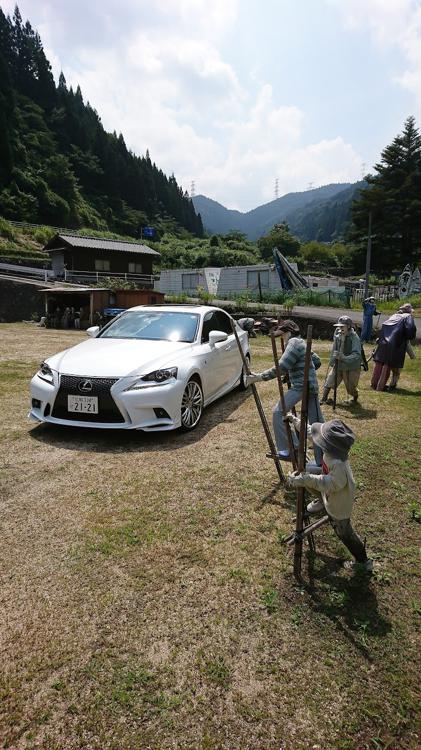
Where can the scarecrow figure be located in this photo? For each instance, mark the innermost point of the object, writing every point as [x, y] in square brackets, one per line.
[369, 310]
[345, 360]
[393, 343]
[292, 364]
[335, 484]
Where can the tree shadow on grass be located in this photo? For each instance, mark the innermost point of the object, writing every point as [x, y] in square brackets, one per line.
[127, 441]
[349, 601]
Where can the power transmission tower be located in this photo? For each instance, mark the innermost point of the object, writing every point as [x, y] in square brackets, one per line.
[310, 186]
[363, 169]
[192, 189]
[276, 188]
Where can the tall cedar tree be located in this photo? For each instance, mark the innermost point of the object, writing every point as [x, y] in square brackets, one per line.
[57, 163]
[393, 197]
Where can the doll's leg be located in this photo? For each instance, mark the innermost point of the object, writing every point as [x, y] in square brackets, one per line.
[343, 529]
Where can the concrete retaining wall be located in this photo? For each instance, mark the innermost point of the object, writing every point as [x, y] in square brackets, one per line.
[18, 300]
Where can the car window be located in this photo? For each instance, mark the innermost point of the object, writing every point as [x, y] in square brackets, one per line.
[209, 324]
[156, 326]
[223, 322]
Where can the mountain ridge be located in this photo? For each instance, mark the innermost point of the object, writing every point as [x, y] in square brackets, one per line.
[321, 213]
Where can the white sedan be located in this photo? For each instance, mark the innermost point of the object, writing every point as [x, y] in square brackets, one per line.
[151, 368]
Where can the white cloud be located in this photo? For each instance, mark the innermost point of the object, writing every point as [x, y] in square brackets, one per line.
[394, 24]
[156, 73]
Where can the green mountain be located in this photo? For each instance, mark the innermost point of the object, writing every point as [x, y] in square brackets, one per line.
[59, 166]
[325, 220]
[321, 214]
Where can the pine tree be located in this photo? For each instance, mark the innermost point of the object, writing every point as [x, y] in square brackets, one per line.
[393, 197]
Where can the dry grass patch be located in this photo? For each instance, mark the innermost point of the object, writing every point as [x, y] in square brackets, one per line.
[148, 603]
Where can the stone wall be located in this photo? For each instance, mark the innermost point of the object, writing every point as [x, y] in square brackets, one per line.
[19, 299]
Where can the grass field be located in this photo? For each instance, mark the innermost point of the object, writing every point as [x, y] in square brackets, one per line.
[146, 599]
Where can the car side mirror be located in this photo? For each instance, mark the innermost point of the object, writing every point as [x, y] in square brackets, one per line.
[92, 331]
[216, 336]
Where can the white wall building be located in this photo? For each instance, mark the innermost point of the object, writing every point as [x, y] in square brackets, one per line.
[222, 282]
[235, 279]
[187, 280]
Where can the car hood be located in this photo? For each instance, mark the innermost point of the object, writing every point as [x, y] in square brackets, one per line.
[117, 358]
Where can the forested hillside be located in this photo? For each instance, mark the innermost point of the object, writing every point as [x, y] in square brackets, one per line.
[59, 166]
[319, 214]
[325, 220]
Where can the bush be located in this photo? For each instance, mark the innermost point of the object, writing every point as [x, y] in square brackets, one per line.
[205, 296]
[43, 235]
[7, 230]
[291, 298]
[115, 283]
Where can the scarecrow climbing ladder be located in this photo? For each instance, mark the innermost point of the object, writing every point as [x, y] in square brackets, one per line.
[273, 454]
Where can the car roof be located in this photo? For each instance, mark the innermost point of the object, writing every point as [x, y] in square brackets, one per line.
[200, 309]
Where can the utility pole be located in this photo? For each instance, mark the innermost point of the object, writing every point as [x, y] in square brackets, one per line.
[368, 258]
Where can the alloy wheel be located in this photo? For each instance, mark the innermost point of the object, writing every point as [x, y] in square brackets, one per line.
[191, 405]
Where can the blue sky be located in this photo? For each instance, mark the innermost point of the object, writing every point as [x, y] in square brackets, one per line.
[235, 93]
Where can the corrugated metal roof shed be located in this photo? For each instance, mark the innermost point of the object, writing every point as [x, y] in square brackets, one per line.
[97, 243]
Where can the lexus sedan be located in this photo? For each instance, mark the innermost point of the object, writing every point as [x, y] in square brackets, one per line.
[151, 368]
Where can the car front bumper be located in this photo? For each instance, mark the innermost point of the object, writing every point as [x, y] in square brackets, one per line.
[155, 407]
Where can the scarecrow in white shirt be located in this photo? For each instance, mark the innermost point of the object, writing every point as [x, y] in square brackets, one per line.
[336, 484]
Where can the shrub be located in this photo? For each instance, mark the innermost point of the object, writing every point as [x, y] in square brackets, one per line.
[204, 296]
[7, 230]
[43, 235]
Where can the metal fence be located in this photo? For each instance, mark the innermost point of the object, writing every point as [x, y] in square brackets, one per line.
[381, 294]
[78, 277]
[40, 226]
[26, 272]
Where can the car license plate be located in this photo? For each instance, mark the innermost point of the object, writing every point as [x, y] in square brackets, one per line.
[85, 404]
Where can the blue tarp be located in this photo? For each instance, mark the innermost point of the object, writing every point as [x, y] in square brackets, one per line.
[113, 311]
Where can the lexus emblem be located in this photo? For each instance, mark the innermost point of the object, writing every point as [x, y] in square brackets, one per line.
[84, 386]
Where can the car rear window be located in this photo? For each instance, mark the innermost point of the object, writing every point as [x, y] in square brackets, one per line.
[155, 326]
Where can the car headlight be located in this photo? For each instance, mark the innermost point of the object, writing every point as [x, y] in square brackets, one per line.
[45, 373]
[157, 377]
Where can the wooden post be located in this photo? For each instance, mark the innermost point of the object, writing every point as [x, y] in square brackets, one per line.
[292, 451]
[259, 283]
[259, 406]
[91, 308]
[338, 348]
[299, 527]
[368, 259]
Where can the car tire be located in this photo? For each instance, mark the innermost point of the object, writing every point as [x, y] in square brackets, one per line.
[242, 384]
[191, 405]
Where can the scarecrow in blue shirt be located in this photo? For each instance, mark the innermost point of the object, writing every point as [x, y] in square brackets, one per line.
[369, 310]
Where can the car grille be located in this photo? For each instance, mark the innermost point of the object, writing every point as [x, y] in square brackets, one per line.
[107, 408]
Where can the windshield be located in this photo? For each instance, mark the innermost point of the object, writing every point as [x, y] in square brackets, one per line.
[155, 326]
